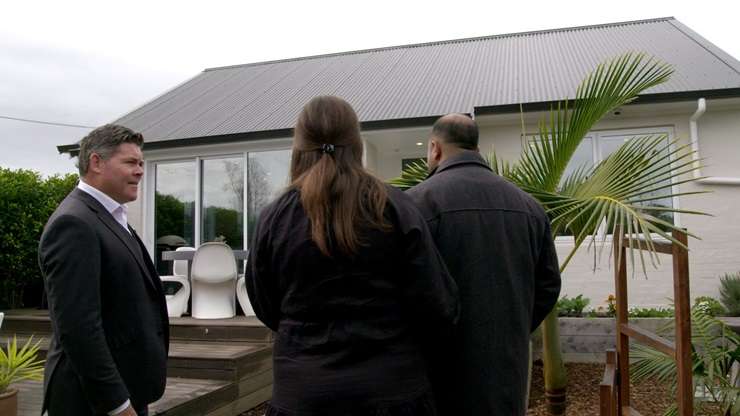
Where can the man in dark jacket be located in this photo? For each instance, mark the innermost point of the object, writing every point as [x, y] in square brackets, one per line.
[108, 351]
[497, 244]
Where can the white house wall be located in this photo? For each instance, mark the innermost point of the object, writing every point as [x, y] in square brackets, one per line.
[719, 250]
[717, 253]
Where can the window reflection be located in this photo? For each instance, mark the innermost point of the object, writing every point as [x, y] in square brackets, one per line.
[583, 158]
[612, 143]
[268, 176]
[222, 201]
[174, 208]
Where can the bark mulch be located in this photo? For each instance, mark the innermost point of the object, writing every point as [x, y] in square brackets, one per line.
[257, 411]
[649, 398]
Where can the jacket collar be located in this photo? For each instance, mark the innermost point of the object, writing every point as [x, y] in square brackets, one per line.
[129, 240]
[466, 157]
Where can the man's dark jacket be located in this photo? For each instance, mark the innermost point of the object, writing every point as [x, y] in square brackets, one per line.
[108, 313]
[496, 242]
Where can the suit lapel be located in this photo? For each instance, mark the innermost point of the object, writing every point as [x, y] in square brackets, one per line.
[127, 239]
[153, 275]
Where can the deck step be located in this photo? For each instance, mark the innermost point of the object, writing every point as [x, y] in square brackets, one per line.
[228, 361]
[215, 367]
[182, 397]
[239, 328]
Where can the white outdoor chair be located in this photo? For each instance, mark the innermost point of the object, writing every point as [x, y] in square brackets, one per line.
[213, 281]
[2, 315]
[177, 303]
[241, 294]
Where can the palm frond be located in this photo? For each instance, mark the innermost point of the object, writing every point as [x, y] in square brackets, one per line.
[616, 192]
[498, 165]
[611, 85]
[412, 175]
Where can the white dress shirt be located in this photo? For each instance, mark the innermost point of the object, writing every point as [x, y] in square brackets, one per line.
[119, 213]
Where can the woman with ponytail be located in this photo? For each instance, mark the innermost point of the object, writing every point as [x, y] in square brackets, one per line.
[344, 270]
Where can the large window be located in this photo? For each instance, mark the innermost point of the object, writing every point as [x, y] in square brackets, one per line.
[174, 198]
[611, 141]
[597, 146]
[215, 198]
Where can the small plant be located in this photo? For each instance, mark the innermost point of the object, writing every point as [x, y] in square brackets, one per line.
[730, 293]
[611, 305]
[711, 305]
[20, 364]
[572, 307]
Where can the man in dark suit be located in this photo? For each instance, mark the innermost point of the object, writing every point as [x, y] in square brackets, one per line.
[108, 352]
[497, 245]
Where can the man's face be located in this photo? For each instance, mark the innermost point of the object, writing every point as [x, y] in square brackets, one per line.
[120, 174]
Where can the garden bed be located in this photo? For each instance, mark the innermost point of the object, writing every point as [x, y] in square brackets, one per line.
[649, 398]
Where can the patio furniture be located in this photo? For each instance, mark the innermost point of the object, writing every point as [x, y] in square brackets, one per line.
[213, 282]
[2, 315]
[241, 295]
[177, 302]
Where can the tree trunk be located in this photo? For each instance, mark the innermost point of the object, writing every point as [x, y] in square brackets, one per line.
[554, 368]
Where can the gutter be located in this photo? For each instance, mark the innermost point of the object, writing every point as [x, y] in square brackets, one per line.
[701, 108]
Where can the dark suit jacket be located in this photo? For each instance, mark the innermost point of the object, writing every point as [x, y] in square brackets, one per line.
[496, 242]
[108, 313]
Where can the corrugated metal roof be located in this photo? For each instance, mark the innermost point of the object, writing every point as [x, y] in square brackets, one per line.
[425, 80]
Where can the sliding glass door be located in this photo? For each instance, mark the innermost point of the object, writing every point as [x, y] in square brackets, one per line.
[222, 206]
[214, 198]
[268, 176]
[174, 199]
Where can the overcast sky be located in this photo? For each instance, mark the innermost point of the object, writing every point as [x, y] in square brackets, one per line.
[89, 62]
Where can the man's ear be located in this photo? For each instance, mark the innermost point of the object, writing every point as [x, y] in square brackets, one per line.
[96, 163]
[435, 150]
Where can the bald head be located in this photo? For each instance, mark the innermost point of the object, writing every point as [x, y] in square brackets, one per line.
[458, 130]
[451, 134]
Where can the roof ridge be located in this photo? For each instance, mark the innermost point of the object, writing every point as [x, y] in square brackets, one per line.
[708, 46]
[449, 41]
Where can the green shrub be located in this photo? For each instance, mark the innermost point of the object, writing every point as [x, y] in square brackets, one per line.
[26, 202]
[730, 293]
[572, 307]
[651, 313]
[711, 305]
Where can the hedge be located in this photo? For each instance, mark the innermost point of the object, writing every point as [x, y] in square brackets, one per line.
[26, 202]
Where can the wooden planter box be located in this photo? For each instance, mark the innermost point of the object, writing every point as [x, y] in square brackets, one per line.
[587, 339]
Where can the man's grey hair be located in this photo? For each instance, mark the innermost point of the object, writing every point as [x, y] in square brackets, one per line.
[104, 142]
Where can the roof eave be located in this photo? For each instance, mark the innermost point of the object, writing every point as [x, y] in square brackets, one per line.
[73, 149]
[665, 97]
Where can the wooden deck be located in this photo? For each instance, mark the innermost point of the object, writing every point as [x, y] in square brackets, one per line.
[215, 368]
[181, 397]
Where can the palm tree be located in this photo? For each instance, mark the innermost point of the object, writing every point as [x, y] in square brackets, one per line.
[617, 196]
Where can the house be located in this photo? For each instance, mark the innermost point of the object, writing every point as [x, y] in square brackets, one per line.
[218, 145]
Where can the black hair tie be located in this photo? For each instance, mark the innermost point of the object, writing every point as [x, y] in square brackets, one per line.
[327, 148]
